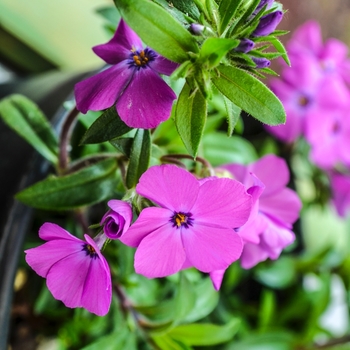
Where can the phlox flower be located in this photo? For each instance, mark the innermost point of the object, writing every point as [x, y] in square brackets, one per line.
[304, 91]
[117, 220]
[75, 270]
[192, 224]
[331, 55]
[275, 208]
[142, 98]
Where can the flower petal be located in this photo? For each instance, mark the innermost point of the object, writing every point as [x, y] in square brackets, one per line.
[66, 278]
[222, 202]
[120, 46]
[211, 248]
[170, 187]
[149, 220]
[216, 277]
[102, 90]
[49, 231]
[147, 101]
[161, 253]
[42, 258]
[163, 66]
[252, 254]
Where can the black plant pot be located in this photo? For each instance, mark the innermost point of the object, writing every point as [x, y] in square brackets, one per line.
[20, 167]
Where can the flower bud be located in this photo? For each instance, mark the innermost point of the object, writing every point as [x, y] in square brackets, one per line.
[268, 23]
[245, 46]
[261, 62]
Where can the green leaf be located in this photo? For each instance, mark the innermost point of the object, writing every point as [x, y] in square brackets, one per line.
[158, 29]
[233, 114]
[184, 300]
[25, 118]
[202, 334]
[227, 10]
[214, 49]
[85, 187]
[180, 9]
[139, 157]
[281, 49]
[190, 118]
[107, 127]
[123, 145]
[250, 94]
[165, 342]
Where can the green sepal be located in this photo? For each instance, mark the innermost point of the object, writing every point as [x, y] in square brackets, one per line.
[158, 29]
[140, 156]
[107, 127]
[90, 185]
[250, 94]
[123, 145]
[27, 120]
[227, 10]
[190, 118]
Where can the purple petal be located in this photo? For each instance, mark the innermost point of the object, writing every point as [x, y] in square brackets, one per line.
[97, 292]
[341, 193]
[147, 101]
[252, 254]
[42, 258]
[216, 278]
[251, 231]
[103, 89]
[49, 231]
[170, 187]
[66, 278]
[268, 23]
[161, 253]
[211, 248]
[150, 220]
[163, 66]
[222, 202]
[120, 46]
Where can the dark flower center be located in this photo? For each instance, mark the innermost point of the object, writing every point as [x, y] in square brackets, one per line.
[182, 219]
[90, 250]
[303, 101]
[140, 59]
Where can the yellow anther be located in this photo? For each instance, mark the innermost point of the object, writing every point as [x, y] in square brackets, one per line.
[180, 219]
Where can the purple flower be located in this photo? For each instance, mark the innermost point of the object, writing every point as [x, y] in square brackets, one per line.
[331, 56]
[142, 98]
[75, 270]
[304, 90]
[275, 208]
[192, 225]
[268, 23]
[340, 184]
[117, 220]
[261, 62]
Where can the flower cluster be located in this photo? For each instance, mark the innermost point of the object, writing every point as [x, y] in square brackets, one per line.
[204, 223]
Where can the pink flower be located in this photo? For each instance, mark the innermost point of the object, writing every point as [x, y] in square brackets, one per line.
[142, 98]
[275, 209]
[192, 225]
[75, 270]
[340, 184]
[117, 220]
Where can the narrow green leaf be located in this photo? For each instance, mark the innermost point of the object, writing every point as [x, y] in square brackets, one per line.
[185, 299]
[165, 342]
[107, 127]
[139, 157]
[190, 118]
[87, 186]
[214, 49]
[250, 94]
[227, 10]
[25, 118]
[123, 144]
[180, 9]
[233, 114]
[281, 49]
[158, 29]
[203, 334]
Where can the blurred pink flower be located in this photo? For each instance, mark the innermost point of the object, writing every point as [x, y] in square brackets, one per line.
[75, 270]
[340, 185]
[192, 225]
[275, 208]
[142, 98]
